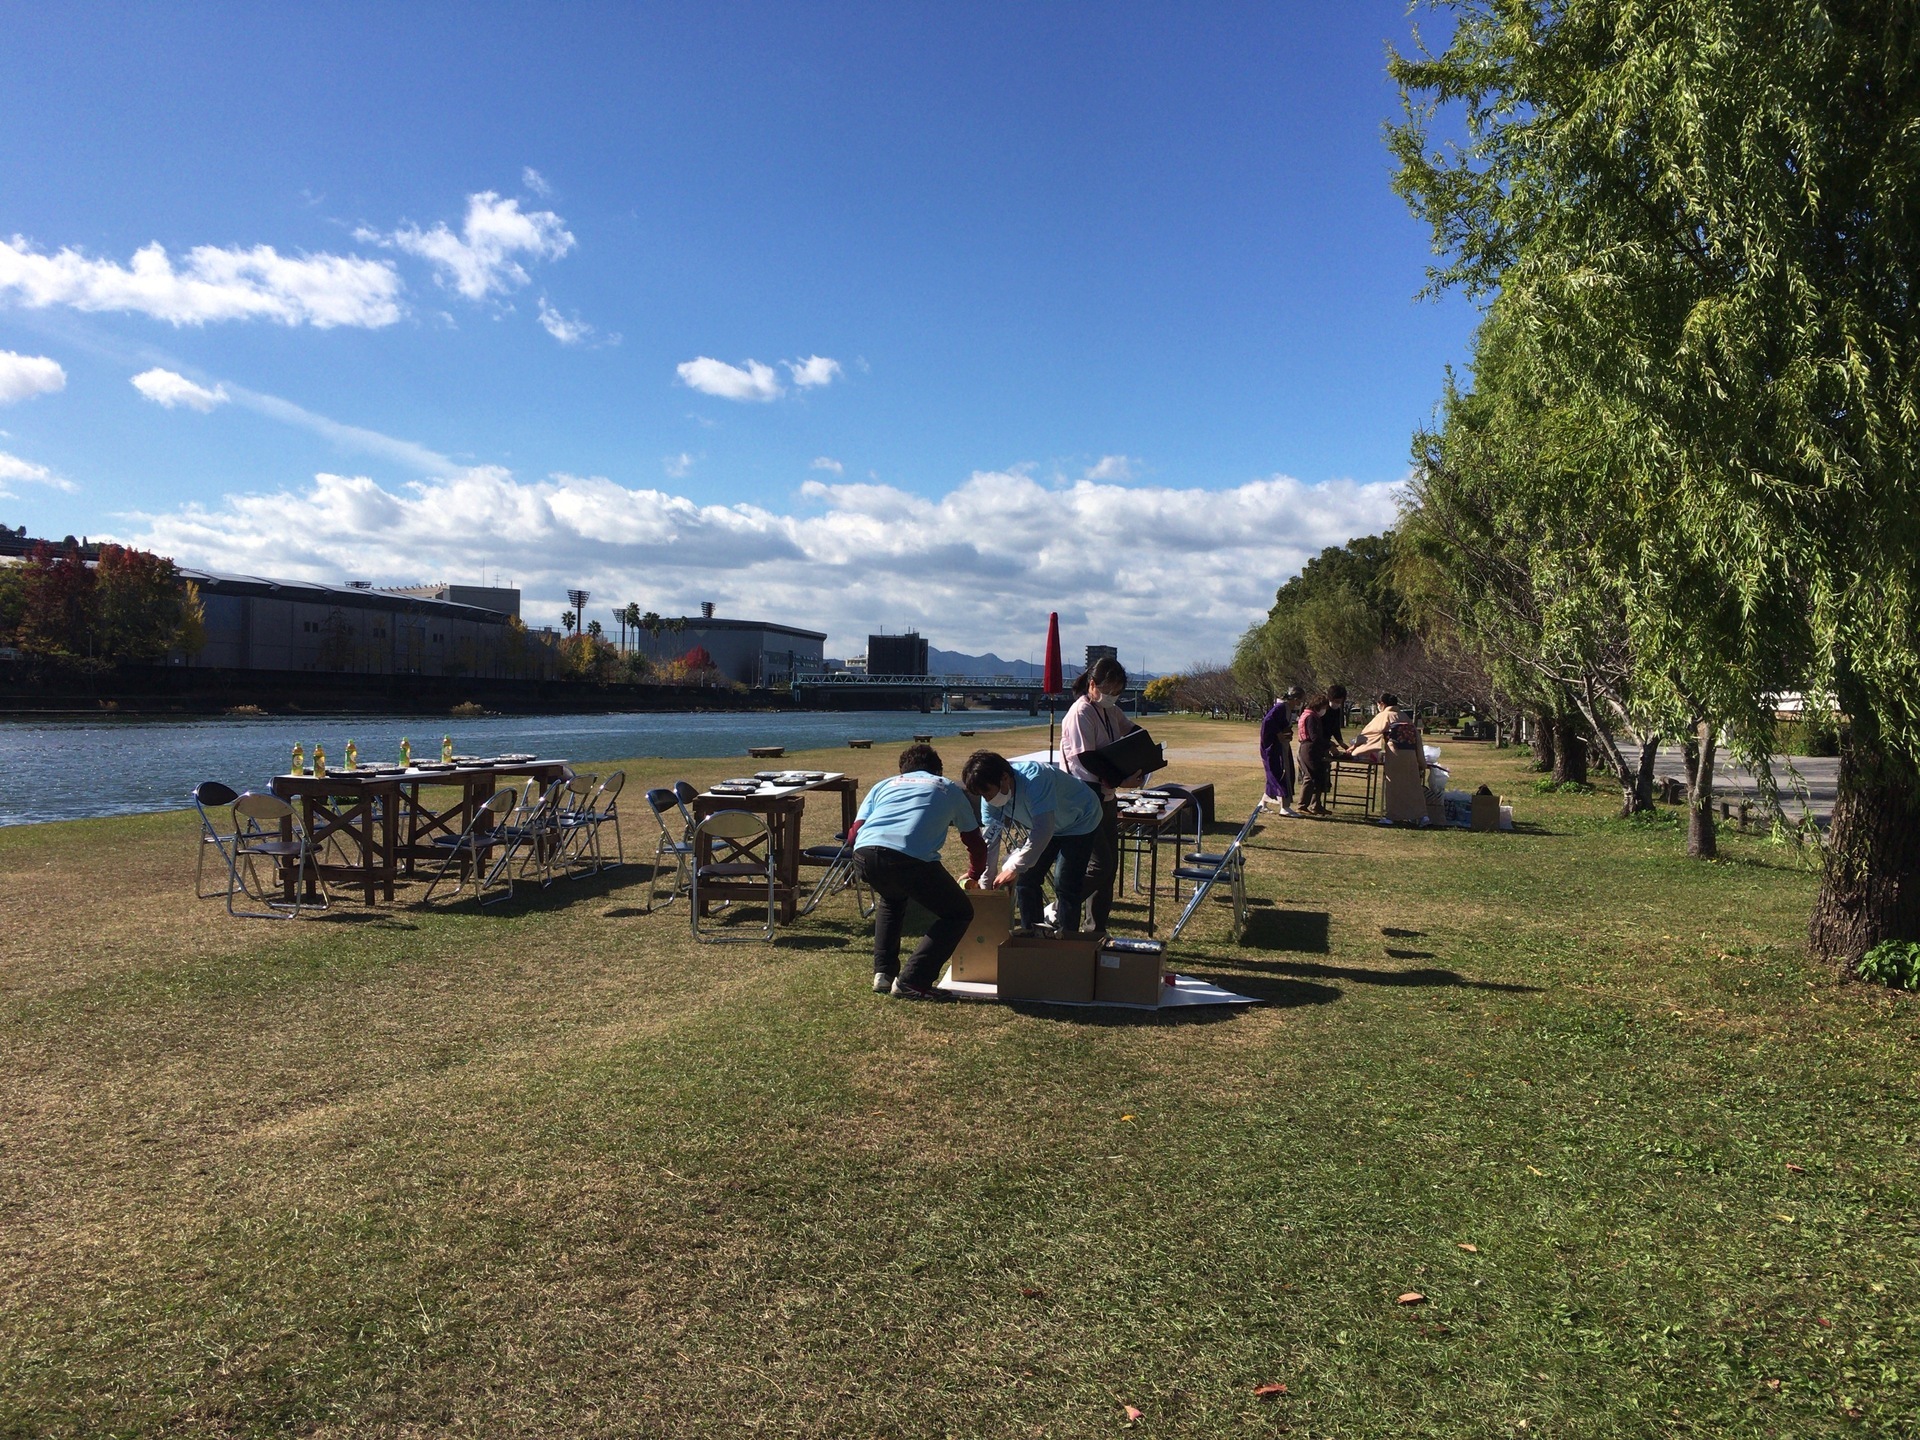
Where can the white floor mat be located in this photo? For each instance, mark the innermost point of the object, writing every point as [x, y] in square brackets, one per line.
[1185, 990]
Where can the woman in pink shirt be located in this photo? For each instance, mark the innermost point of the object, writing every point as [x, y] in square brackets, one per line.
[1096, 720]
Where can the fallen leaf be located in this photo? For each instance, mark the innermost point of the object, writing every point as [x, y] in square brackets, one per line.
[1029, 1293]
[1536, 1172]
[1794, 1169]
[1773, 1384]
[1823, 1322]
[1853, 1414]
[1787, 1218]
[1132, 1414]
[1470, 1249]
[1412, 1297]
[1126, 1117]
[1269, 1390]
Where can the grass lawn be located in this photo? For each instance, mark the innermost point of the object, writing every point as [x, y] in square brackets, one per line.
[557, 1171]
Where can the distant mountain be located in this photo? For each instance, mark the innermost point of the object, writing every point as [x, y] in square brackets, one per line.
[952, 662]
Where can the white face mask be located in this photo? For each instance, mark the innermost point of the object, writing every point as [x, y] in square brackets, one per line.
[1002, 800]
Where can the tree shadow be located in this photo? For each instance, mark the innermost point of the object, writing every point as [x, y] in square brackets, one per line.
[1393, 932]
[1426, 977]
[1393, 954]
[1304, 931]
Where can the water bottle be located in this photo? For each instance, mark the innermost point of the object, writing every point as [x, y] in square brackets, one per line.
[353, 756]
[319, 762]
[446, 749]
[406, 753]
[299, 758]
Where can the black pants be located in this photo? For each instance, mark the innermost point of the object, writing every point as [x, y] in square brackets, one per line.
[896, 878]
[1066, 856]
[1103, 865]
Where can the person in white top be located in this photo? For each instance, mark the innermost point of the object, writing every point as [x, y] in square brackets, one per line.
[1096, 720]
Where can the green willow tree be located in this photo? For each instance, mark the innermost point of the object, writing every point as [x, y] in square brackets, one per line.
[1703, 214]
[1510, 538]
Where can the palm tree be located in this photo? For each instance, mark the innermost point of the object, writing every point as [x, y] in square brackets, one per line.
[630, 619]
[594, 629]
[568, 620]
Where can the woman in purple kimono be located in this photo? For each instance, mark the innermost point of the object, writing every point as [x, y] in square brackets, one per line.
[1276, 749]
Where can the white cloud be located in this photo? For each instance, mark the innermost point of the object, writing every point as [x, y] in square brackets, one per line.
[731, 382]
[1180, 571]
[163, 387]
[212, 284]
[677, 466]
[24, 376]
[812, 371]
[536, 182]
[1110, 467]
[567, 332]
[480, 261]
[12, 467]
[828, 463]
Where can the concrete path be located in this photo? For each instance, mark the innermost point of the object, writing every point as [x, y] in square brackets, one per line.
[1807, 788]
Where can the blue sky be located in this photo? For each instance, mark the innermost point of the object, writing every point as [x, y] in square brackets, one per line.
[859, 317]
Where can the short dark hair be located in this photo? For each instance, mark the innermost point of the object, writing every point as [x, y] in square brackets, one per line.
[984, 771]
[1388, 698]
[1336, 692]
[1294, 692]
[921, 757]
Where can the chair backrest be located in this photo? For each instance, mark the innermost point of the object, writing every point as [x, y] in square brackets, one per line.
[659, 801]
[258, 811]
[213, 793]
[497, 807]
[732, 825]
[610, 789]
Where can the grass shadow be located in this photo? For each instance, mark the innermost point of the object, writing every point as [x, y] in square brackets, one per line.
[1305, 931]
[1426, 977]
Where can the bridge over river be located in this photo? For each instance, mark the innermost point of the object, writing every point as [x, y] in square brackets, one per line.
[842, 690]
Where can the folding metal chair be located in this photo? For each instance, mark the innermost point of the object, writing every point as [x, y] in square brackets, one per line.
[573, 822]
[485, 849]
[837, 874]
[663, 802]
[212, 795]
[532, 828]
[1206, 870]
[605, 807]
[265, 827]
[743, 850]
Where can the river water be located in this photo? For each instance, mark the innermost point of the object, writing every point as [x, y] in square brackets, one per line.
[68, 769]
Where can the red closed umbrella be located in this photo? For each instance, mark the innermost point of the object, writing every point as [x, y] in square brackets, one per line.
[1050, 681]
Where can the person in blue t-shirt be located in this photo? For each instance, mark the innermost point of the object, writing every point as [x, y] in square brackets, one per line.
[897, 836]
[1061, 816]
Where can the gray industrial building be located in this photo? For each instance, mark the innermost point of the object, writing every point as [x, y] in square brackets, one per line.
[897, 654]
[749, 652]
[258, 624]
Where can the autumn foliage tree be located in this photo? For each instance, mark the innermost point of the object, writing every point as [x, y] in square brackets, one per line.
[131, 607]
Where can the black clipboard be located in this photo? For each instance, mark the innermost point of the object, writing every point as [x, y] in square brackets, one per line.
[1130, 755]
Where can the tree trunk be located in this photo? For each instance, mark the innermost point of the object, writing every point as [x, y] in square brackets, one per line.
[1703, 841]
[1542, 725]
[1871, 890]
[1569, 751]
[1636, 789]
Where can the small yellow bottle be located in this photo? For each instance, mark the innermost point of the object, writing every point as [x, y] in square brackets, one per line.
[446, 749]
[353, 756]
[406, 753]
[299, 759]
[319, 762]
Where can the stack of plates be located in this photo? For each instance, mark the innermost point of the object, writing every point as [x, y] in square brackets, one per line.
[518, 758]
[735, 787]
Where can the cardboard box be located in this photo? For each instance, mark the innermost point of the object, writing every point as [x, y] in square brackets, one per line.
[1129, 976]
[1037, 967]
[977, 958]
[1436, 809]
[1486, 812]
[1403, 797]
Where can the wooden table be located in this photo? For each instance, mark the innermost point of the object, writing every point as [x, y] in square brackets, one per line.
[784, 807]
[1149, 830]
[382, 821]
